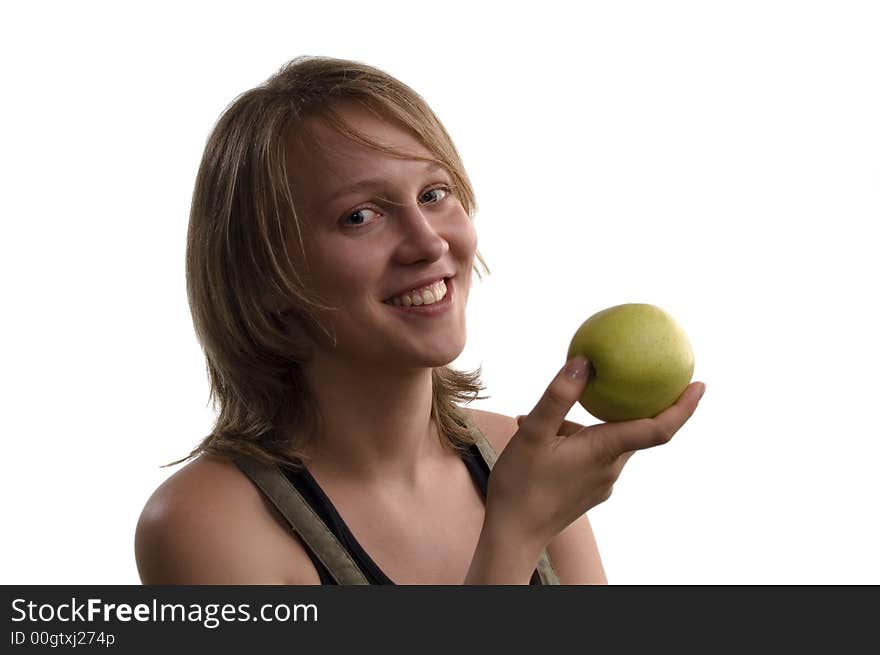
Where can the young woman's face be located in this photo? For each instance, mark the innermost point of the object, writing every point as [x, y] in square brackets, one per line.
[377, 226]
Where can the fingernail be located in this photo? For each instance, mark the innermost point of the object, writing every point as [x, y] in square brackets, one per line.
[576, 368]
[702, 391]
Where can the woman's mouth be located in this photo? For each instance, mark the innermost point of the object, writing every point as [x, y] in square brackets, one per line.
[428, 301]
[427, 295]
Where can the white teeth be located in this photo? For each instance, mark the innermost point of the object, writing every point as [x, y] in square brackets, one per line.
[427, 296]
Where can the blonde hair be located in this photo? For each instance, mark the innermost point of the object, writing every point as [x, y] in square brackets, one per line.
[240, 273]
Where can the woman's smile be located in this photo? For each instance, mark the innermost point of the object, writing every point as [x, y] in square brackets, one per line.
[431, 301]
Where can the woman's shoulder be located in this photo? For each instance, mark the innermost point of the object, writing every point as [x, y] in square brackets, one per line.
[208, 524]
[497, 428]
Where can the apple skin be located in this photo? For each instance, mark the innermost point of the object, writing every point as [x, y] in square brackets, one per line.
[640, 361]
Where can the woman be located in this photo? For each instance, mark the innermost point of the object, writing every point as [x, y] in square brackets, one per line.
[329, 258]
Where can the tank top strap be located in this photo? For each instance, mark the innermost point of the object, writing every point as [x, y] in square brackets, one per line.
[545, 571]
[302, 519]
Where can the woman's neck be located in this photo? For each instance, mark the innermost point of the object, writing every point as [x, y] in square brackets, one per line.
[376, 423]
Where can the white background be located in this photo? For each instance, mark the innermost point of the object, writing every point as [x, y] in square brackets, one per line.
[720, 160]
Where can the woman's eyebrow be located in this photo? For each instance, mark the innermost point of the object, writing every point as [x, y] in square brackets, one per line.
[373, 182]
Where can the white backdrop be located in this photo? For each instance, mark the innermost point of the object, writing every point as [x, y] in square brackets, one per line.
[721, 160]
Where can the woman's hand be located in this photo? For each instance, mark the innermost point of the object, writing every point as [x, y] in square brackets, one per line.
[552, 471]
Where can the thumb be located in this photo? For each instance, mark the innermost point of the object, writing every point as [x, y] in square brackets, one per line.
[565, 389]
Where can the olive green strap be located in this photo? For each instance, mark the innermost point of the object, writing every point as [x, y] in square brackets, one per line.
[545, 568]
[302, 518]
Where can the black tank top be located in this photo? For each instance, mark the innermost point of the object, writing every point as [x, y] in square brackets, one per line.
[316, 498]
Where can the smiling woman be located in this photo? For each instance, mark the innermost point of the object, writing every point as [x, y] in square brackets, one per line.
[273, 260]
[330, 255]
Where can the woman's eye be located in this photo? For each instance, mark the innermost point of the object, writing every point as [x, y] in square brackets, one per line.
[444, 191]
[359, 217]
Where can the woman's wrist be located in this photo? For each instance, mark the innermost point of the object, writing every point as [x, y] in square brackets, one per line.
[503, 556]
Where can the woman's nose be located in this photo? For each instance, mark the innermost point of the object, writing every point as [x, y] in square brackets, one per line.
[419, 237]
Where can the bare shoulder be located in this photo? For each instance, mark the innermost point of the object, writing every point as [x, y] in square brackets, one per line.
[208, 524]
[497, 428]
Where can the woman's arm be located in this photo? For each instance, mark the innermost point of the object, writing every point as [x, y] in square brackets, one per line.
[551, 472]
[573, 552]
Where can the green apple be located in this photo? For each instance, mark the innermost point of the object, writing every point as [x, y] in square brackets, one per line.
[640, 361]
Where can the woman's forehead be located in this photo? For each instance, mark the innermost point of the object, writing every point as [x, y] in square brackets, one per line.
[318, 139]
[321, 159]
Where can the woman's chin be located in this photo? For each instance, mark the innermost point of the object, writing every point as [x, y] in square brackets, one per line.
[436, 358]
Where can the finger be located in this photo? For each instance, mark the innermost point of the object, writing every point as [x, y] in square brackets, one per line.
[545, 420]
[567, 428]
[671, 420]
[626, 436]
